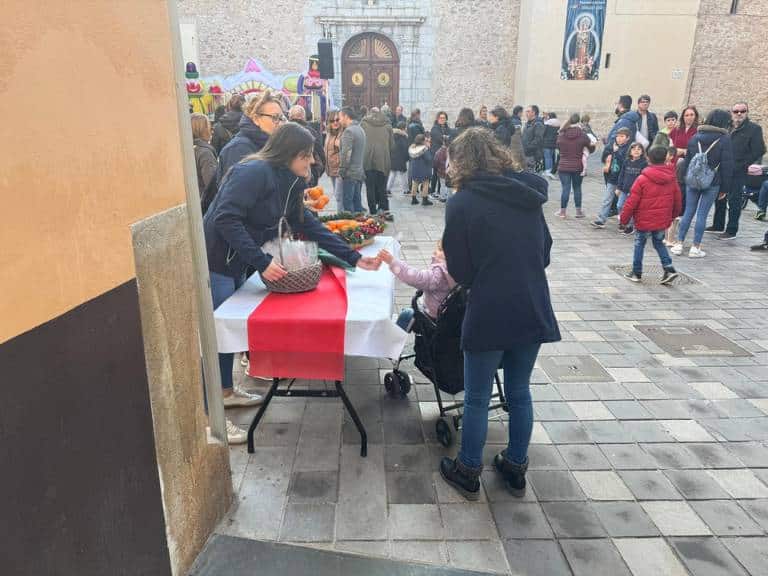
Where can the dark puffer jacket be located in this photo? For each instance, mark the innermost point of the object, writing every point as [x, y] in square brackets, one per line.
[421, 162]
[571, 143]
[438, 133]
[249, 140]
[400, 151]
[748, 145]
[720, 158]
[504, 129]
[497, 244]
[655, 200]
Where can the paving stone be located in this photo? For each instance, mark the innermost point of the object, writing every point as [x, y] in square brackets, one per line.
[573, 520]
[468, 521]
[403, 431]
[447, 494]
[649, 557]
[607, 431]
[573, 368]
[610, 391]
[420, 551]
[713, 390]
[496, 490]
[696, 484]
[706, 557]
[544, 393]
[649, 485]
[602, 485]
[594, 558]
[539, 435]
[409, 487]
[406, 457]
[583, 457]
[726, 429]
[362, 504]
[686, 431]
[573, 392]
[554, 485]
[519, 519]
[364, 547]
[317, 454]
[414, 522]
[691, 340]
[758, 510]
[566, 432]
[726, 518]
[751, 552]
[548, 411]
[714, 455]
[543, 457]
[594, 410]
[644, 390]
[628, 456]
[274, 435]
[536, 558]
[308, 522]
[627, 375]
[761, 404]
[737, 408]
[314, 486]
[624, 519]
[628, 410]
[740, 483]
[675, 518]
[672, 409]
[646, 431]
[477, 556]
[672, 456]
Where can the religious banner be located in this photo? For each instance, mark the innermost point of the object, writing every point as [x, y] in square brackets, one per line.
[583, 40]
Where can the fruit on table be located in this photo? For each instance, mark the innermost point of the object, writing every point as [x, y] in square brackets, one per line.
[315, 193]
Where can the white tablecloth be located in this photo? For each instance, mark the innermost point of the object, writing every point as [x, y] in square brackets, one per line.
[370, 330]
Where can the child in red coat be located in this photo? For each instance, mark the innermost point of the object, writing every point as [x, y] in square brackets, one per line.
[655, 201]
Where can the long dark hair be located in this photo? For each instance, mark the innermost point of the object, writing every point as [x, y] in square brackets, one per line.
[501, 113]
[286, 143]
[719, 118]
[465, 119]
[441, 113]
[695, 120]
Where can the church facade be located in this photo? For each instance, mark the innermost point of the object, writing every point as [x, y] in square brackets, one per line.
[564, 55]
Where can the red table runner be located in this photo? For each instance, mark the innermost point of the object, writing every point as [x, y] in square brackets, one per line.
[301, 335]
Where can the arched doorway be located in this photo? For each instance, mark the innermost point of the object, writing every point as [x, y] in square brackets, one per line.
[370, 71]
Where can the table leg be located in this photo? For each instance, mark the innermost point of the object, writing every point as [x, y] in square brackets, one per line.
[355, 418]
[260, 413]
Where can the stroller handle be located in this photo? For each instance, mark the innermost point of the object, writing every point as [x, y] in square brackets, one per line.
[415, 299]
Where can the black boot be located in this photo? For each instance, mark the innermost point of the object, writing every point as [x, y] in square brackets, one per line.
[414, 201]
[514, 474]
[465, 480]
[426, 201]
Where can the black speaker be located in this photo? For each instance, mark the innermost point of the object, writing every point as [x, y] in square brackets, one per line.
[325, 51]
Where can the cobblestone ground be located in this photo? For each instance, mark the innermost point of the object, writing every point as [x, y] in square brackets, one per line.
[650, 448]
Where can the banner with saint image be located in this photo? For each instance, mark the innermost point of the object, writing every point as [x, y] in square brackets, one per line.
[584, 25]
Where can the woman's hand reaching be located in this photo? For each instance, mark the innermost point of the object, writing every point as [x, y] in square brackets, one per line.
[385, 257]
[369, 263]
[274, 272]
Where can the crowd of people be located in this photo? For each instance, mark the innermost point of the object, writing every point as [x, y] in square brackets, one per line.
[254, 165]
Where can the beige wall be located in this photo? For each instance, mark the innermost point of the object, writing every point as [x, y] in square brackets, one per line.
[90, 144]
[648, 40]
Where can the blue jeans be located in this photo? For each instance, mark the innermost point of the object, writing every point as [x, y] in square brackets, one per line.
[762, 197]
[657, 236]
[620, 204]
[700, 203]
[568, 180]
[610, 194]
[338, 192]
[353, 200]
[222, 287]
[479, 369]
[549, 159]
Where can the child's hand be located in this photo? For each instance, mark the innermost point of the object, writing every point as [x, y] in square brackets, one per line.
[385, 257]
[617, 192]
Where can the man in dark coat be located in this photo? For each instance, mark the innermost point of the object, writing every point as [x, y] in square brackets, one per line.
[533, 139]
[748, 148]
[648, 125]
[377, 159]
[228, 125]
[398, 117]
[625, 118]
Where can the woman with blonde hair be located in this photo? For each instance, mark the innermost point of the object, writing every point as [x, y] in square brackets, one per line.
[333, 130]
[497, 245]
[205, 159]
[261, 116]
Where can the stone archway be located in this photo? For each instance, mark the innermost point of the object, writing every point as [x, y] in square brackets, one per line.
[370, 71]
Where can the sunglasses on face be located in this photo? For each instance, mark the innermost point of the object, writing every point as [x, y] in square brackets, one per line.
[742, 111]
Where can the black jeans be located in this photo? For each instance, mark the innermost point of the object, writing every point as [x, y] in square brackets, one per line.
[376, 190]
[732, 204]
[434, 183]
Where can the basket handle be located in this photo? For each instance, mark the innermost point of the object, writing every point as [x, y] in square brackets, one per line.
[283, 221]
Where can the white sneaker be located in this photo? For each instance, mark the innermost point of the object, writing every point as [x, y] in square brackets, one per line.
[696, 252]
[235, 435]
[240, 397]
[677, 248]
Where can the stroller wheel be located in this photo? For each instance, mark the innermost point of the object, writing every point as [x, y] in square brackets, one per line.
[457, 422]
[404, 381]
[444, 434]
[391, 384]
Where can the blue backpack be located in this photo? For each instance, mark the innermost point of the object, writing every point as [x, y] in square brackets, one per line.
[700, 175]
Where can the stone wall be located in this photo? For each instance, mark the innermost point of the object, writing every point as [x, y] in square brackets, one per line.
[475, 53]
[728, 61]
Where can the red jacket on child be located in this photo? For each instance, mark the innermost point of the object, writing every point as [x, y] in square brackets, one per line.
[655, 199]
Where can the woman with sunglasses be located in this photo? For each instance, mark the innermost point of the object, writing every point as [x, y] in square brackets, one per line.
[261, 117]
[245, 214]
[333, 132]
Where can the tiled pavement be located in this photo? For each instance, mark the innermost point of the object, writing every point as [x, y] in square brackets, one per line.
[644, 461]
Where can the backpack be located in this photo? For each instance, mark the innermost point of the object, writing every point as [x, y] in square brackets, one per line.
[700, 175]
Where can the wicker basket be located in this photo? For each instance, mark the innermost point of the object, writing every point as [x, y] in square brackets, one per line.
[301, 280]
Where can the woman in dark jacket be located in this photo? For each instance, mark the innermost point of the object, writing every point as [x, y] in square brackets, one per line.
[245, 214]
[465, 119]
[262, 116]
[571, 141]
[501, 124]
[713, 133]
[415, 127]
[497, 245]
[439, 134]
[205, 159]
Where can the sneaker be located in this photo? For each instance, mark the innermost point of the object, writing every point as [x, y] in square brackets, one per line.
[669, 276]
[712, 230]
[414, 201]
[560, 214]
[759, 247]
[597, 224]
[551, 176]
[696, 252]
[513, 474]
[677, 248]
[760, 215]
[427, 202]
[240, 397]
[465, 480]
[579, 213]
[442, 200]
[235, 435]
[726, 236]
[632, 277]
[628, 230]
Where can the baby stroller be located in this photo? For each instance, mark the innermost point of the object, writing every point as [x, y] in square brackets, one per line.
[752, 186]
[438, 355]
